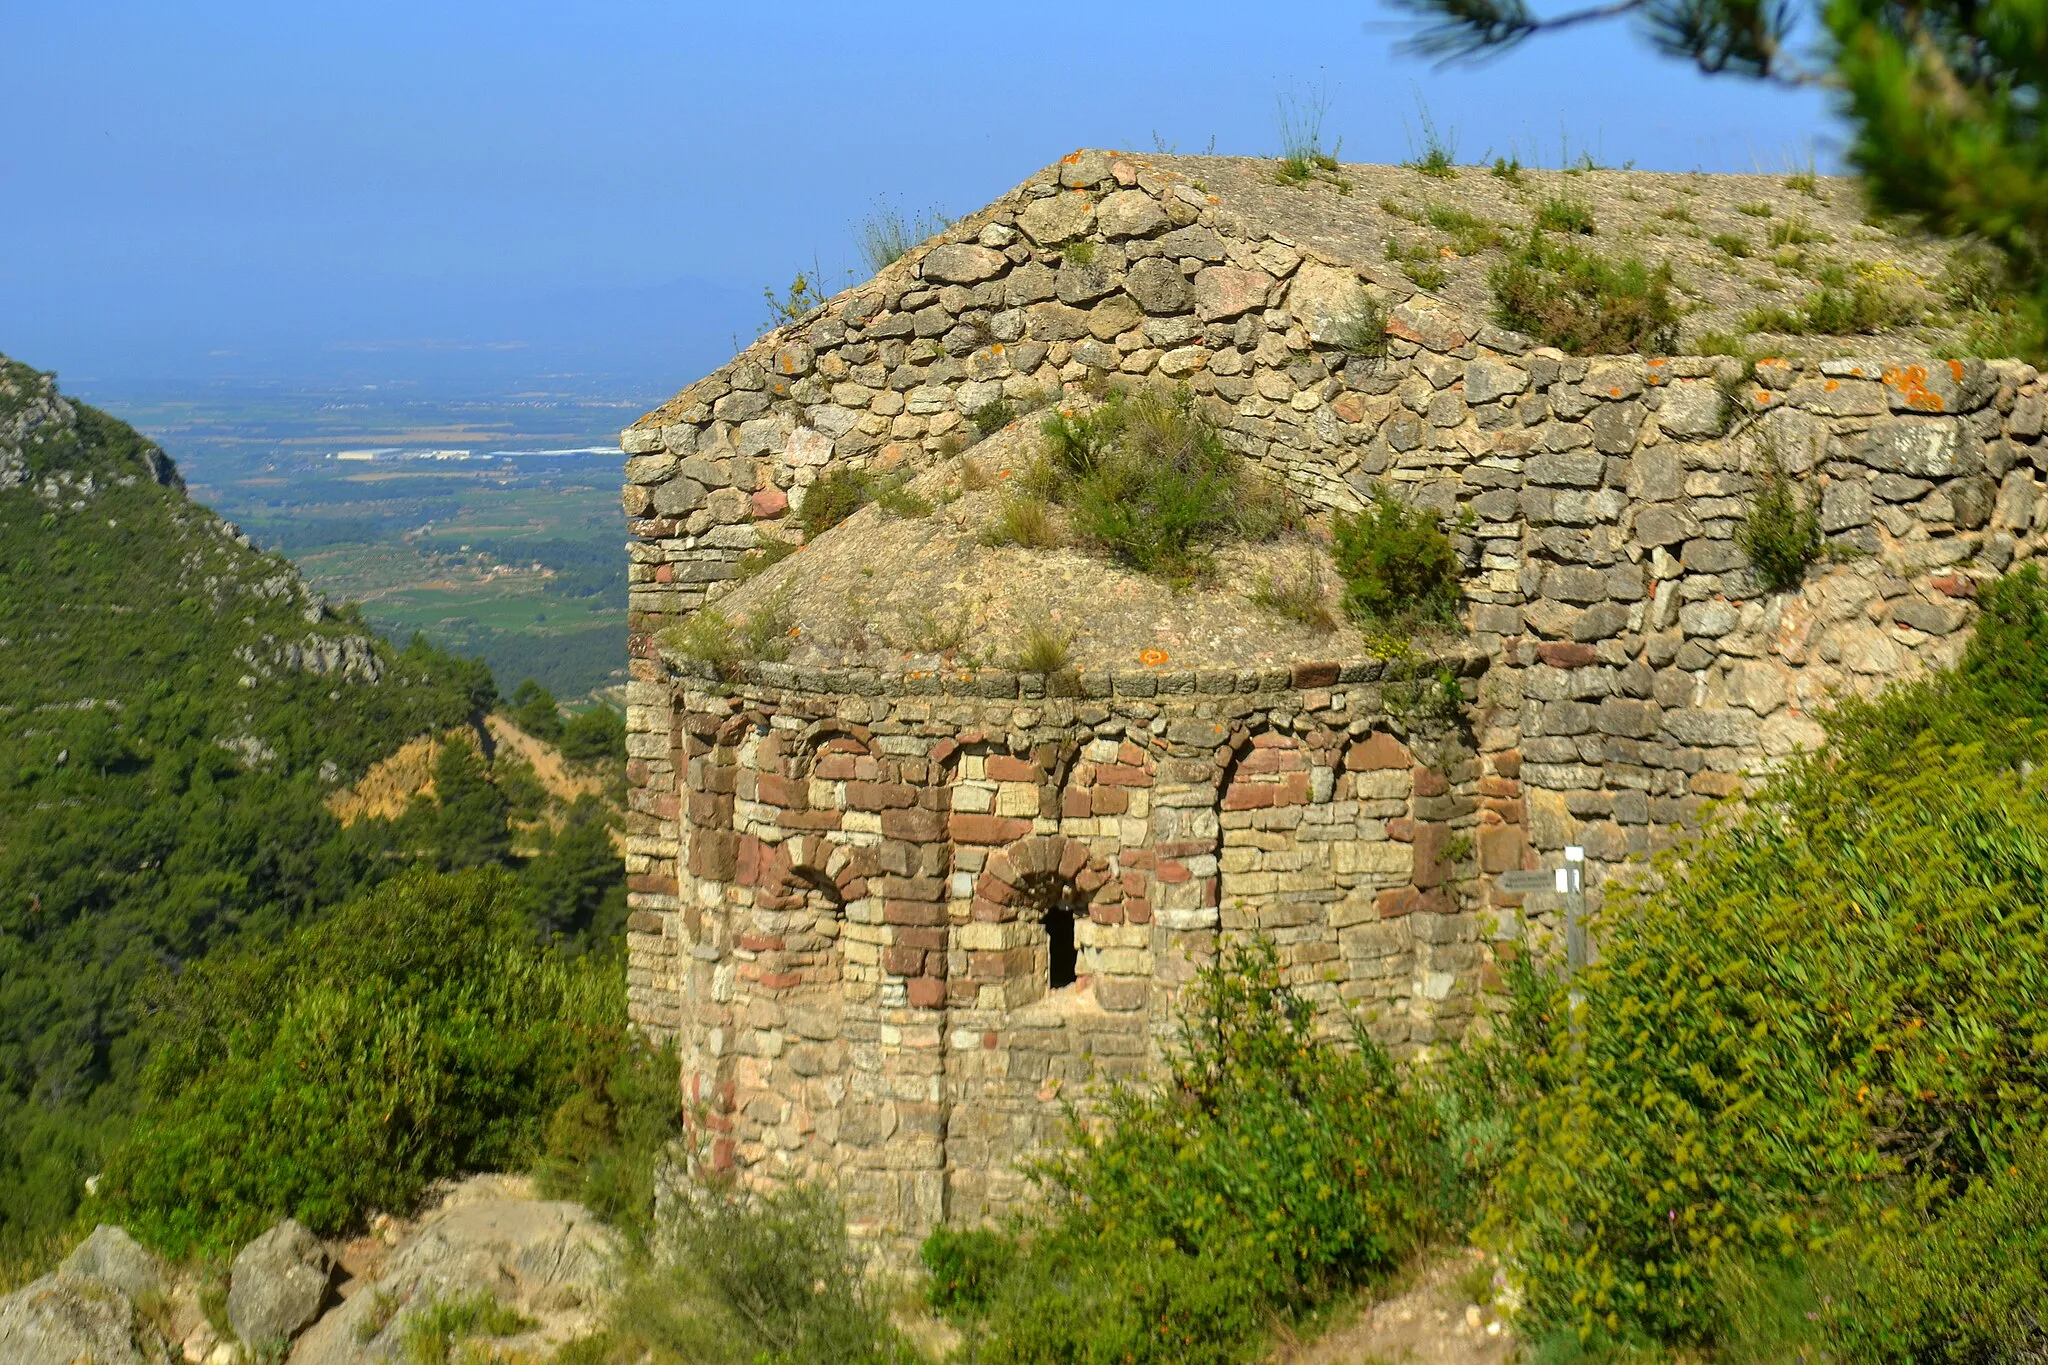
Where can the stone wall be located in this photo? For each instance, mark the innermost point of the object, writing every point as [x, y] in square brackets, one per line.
[862, 966]
[1626, 665]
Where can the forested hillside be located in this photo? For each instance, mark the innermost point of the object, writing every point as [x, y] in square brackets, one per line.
[176, 710]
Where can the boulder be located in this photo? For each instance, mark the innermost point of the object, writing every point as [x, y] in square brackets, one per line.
[278, 1285]
[64, 1318]
[552, 1260]
[110, 1254]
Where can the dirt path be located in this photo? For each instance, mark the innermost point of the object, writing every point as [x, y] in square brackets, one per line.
[1431, 1322]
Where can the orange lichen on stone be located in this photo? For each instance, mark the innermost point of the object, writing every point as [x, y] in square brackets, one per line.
[1911, 382]
[1151, 658]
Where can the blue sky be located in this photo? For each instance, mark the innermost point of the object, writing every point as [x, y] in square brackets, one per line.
[497, 193]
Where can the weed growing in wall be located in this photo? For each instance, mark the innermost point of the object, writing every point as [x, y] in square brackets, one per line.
[1302, 598]
[1146, 478]
[1363, 330]
[832, 498]
[886, 233]
[1398, 566]
[806, 294]
[1435, 150]
[1585, 303]
[1302, 157]
[1562, 213]
[1779, 532]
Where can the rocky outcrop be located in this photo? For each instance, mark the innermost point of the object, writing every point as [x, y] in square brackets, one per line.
[63, 1318]
[111, 1255]
[549, 1260]
[279, 1284]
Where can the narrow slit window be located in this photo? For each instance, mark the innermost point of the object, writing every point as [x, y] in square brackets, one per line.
[1059, 935]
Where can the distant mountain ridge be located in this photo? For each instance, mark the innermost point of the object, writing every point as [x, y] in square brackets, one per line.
[175, 706]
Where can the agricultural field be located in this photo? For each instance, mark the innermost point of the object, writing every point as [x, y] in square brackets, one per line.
[490, 525]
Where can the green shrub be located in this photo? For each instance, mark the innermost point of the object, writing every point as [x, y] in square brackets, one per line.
[992, 416]
[742, 1279]
[1146, 478]
[534, 711]
[1025, 519]
[597, 732]
[1562, 213]
[1779, 532]
[1732, 243]
[765, 555]
[831, 499]
[1397, 564]
[888, 232]
[966, 1267]
[415, 1033]
[602, 1145]
[1468, 235]
[1363, 330]
[1825, 1017]
[431, 1333]
[1300, 599]
[1272, 1168]
[1584, 303]
[1043, 648]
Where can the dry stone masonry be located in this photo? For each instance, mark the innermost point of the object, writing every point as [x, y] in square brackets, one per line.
[895, 921]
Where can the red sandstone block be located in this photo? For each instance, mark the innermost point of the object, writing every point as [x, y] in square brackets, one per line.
[1506, 812]
[1130, 754]
[879, 796]
[780, 981]
[1315, 675]
[842, 744]
[987, 911]
[1088, 879]
[1408, 901]
[914, 825]
[1074, 804]
[1430, 867]
[1401, 829]
[1122, 775]
[927, 992]
[1267, 739]
[1292, 790]
[1248, 796]
[1102, 801]
[961, 994]
[1106, 912]
[747, 864]
[1954, 585]
[1073, 858]
[1170, 871]
[720, 781]
[1430, 782]
[913, 912]
[1560, 654]
[989, 1040]
[833, 767]
[867, 769]
[1273, 761]
[779, 791]
[1501, 847]
[1003, 768]
[1138, 910]
[1184, 848]
[761, 943]
[903, 961]
[706, 809]
[1140, 859]
[1133, 883]
[665, 806]
[982, 829]
[1504, 787]
[811, 820]
[944, 750]
[1377, 751]
[637, 772]
[931, 939]
[985, 966]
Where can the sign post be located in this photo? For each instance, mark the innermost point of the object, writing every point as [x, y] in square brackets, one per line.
[1568, 881]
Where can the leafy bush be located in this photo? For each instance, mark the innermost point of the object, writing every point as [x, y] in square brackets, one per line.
[1148, 479]
[743, 1279]
[1397, 564]
[992, 416]
[534, 710]
[412, 1034]
[1562, 213]
[1585, 303]
[1779, 532]
[1025, 519]
[1822, 1019]
[1270, 1169]
[594, 734]
[831, 499]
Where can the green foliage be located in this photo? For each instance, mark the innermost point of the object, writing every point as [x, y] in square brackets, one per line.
[135, 838]
[574, 887]
[1779, 532]
[836, 495]
[432, 1333]
[1732, 243]
[1795, 231]
[966, 1269]
[1584, 303]
[894, 495]
[886, 233]
[1508, 168]
[805, 295]
[1044, 647]
[1363, 331]
[1562, 213]
[1467, 234]
[534, 710]
[414, 1033]
[1843, 305]
[604, 1144]
[1814, 1033]
[1302, 157]
[992, 416]
[1299, 598]
[743, 1279]
[593, 735]
[1397, 564]
[1147, 478]
[1079, 252]
[1023, 519]
[1271, 1169]
[1437, 156]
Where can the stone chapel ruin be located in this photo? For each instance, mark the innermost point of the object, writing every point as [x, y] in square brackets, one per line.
[896, 909]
